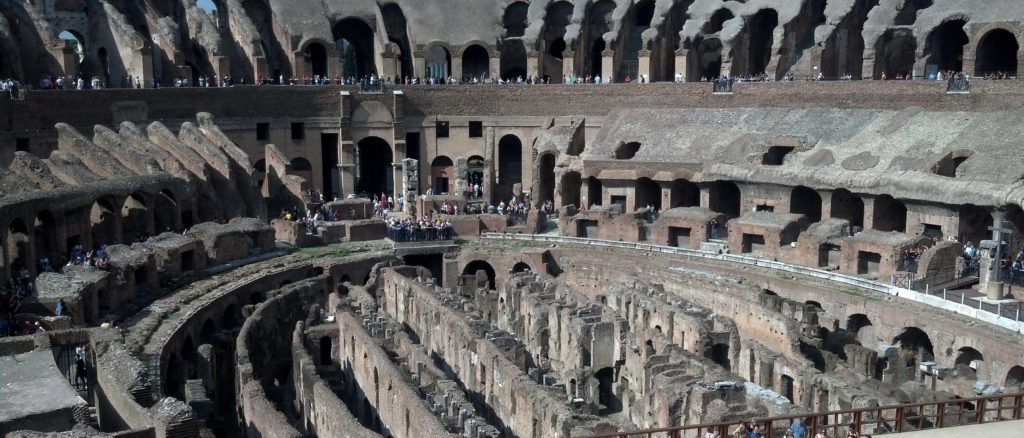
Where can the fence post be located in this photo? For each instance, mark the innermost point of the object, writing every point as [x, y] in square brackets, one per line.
[979, 304]
[962, 295]
[944, 294]
[926, 288]
[1018, 313]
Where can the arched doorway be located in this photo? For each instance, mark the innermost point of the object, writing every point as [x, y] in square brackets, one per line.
[374, 163]
[316, 59]
[846, 205]
[521, 267]
[475, 171]
[103, 222]
[647, 193]
[46, 237]
[510, 160]
[894, 53]
[1015, 377]
[844, 50]
[599, 22]
[806, 201]
[76, 43]
[166, 212]
[354, 39]
[610, 403]
[860, 327]
[684, 194]
[759, 33]
[513, 52]
[134, 218]
[557, 18]
[725, 198]
[569, 189]
[595, 191]
[395, 26]
[944, 47]
[476, 63]
[438, 63]
[974, 223]
[642, 14]
[475, 266]
[720, 355]
[915, 347]
[706, 59]
[545, 180]
[665, 47]
[442, 174]
[967, 362]
[303, 168]
[997, 53]
[890, 214]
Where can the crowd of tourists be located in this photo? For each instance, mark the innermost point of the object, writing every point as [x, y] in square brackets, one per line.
[424, 228]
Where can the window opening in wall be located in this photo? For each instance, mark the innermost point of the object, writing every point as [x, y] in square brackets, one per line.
[619, 199]
[442, 129]
[262, 131]
[679, 237]
[476, 129]
[932, 231]
[950, 164]
[22, 144]
[765, 207]
[627, 151]
[753, 243]
[868, 262]
[776, 155]
[298, 131]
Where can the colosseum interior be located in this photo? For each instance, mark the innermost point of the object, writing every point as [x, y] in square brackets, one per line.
[510, 218]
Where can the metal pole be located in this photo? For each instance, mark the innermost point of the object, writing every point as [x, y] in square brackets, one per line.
[943, 294]
[926, 288]
[962, 295]
[1017, 318]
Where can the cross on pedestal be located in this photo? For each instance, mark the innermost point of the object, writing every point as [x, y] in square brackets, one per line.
[999, 230]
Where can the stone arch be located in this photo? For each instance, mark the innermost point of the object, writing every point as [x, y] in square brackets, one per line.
[510, 160]
[717, 21]
[916, 341]
[104, 222]
[480, 265]
[569, 188]
[944, 46]
[968, 361]
[600, 20]
[859, 325]
[760, 31]
[1015, 377]
[521, 267]
[647, 192]
[315, 56]
[847, 39]
[442, 174]
[374, 166]
[476, 62]
[354, 39]
[639, 20]
[303, 168]
[894, 53]
[806, 201]
[396, 28]
[552, 43]
[513, 50]
[545, 179]
[996, 52]
[134, 218]
[371, 112]
[846, 205]
[725, 198]
[889, 214]
[705, 59]
[165, 212]
[437, 59]
[684, 194]
[76, 43]
[45, 233]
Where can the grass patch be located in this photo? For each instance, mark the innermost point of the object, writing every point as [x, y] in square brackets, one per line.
[334, 250]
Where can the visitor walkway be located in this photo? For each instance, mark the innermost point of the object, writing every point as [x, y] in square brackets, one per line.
[1003, 429]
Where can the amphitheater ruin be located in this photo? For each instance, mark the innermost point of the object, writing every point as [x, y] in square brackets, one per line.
[508, 218]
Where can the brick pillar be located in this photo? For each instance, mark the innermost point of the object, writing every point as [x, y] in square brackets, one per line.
[494, 70]
[608, 66]
[419, 66]
[533, 65]
[457, 67]
[568, 65]
[826, 204]
[869, 212]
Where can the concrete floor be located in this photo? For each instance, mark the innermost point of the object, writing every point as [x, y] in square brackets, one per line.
[1002, 429]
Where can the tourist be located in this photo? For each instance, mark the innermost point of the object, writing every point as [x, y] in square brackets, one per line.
[59, 310]
[741, 430]
[797, 429]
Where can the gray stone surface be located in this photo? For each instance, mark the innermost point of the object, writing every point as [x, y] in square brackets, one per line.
[31, 384]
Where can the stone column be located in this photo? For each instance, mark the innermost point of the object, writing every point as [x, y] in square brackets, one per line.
[456, 67]
[705, 197]
[869, 212]
[826, 204]
[681, 59]
[568, 65]
[666, 195]
[419, 66]
[461, 172]
[489, 148]
[389, 57]
[645, 64]
[494, 70]
[346, 148]
[396, 178]
[410, 184]
[608, 65]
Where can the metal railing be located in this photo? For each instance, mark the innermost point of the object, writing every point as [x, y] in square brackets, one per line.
[958, 84]
[879, 420]
[428, 234]
[971, 310]
[372, 87]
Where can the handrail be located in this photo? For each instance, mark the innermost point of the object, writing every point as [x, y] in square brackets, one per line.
[866, 420]
[962, 309]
